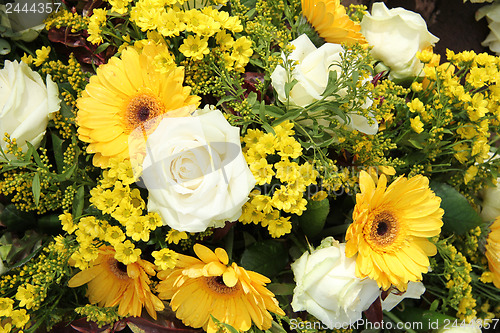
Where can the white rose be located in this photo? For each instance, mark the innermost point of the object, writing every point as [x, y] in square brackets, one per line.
[492, 13]
[491, 202]
[195, 172]
[396, 36]
[328, 288]
[26, 104]
[311, 72]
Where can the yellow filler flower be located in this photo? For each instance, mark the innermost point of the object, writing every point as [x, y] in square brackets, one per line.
[493, 251]
[129, 93]
[331, 22]
[111, 283]
[198, 289]
[390, 229]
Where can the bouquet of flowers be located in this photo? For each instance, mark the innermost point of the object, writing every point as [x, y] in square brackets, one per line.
[244, 166]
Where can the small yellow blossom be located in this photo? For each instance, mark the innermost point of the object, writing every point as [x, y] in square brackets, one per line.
[165, 258]
[175, 236]
[417, 125]
[279, 227]
[41, 55]
[126, 252]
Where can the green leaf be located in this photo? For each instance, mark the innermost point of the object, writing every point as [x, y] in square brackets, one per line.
[58, 153]
[332, 85]
[66, 110]
[78, 201]
[50, 224]
[101, 48]
[416, 143]
[289, 86]
[252, 97]
[459, 217]
[281, 288]
[16, 220]
[225, 99]
[290, 115]
[228, 327]
[35, 187]
[313, 219]
[268, 257]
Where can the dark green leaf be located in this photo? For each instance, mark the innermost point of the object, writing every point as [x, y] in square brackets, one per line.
[58, 153]
[313, 219]
[459, 217]
[268, 257]
[16, 220]
[281, 288]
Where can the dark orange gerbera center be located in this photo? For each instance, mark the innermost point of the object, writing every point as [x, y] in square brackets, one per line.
[216, 284]
[384, 228]
[117, 268]
[143, 111]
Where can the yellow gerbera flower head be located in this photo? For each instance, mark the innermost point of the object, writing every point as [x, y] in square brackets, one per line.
[390, 228]
[126, 94]
[110, 283]
[198, 289]
[493, 251]
[331, 22]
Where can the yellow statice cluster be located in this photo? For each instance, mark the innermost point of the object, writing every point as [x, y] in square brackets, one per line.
[118, 202]
[272, 159]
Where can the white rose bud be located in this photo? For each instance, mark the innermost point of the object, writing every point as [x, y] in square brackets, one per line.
[195, 172]
[26, 104]
[328, 288]
[396, 36]
[311, 72]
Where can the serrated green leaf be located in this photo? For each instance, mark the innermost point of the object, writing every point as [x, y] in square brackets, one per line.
[268, 257]
[35, 188]
[459, 216]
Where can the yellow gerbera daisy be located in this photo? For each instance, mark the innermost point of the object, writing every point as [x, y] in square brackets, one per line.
[112, 283]
[330, 20]
[493, 251]
[198, 289]
[129, 93]
[390, 229]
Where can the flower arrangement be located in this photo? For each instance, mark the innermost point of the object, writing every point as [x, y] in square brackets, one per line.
[244, 166]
